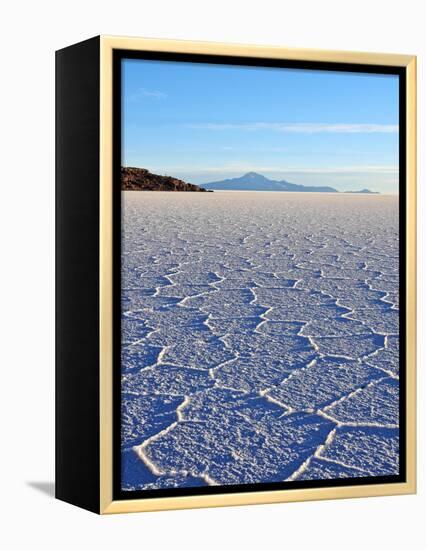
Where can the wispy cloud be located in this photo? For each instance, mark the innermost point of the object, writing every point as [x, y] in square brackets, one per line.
[346, 170]
[143, 92]
[260, 149]
[302, 127]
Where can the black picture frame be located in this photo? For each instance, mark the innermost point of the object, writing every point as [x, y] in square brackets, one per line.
[119, 56]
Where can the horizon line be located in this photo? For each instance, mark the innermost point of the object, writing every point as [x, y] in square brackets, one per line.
[362, 189]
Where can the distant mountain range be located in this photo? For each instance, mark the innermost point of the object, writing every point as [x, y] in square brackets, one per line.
[140, 179]
[252, 181]
[364, 191]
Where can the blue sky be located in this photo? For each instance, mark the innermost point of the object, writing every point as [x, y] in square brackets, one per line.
[204, 122]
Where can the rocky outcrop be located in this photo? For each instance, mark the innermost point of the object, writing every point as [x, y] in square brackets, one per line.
[140, 179]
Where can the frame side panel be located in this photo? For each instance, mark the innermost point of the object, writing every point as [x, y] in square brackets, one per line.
[411, 268]
[77, 274]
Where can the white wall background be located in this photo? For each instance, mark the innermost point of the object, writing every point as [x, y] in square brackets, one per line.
[30, 31]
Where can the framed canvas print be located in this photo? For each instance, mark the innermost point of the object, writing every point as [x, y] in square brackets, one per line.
[235, 274]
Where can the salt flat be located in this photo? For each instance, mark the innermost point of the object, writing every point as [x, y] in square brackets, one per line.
[260, 337]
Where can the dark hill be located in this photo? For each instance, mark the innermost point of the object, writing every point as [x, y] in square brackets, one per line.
[140, 179]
